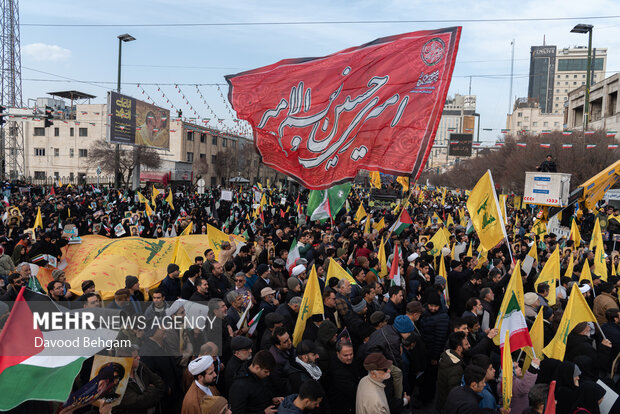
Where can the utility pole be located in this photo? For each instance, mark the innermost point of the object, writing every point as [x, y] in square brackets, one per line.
[512, 67]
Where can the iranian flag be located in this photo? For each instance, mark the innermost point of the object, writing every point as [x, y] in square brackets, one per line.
[567, 132]
[522, 144]
[254, 322]
[395, 268]
[401, 223]
[590, 146]
[293, 255]
[611, 133]
[567, 146]
[28, 372]
[514, 322]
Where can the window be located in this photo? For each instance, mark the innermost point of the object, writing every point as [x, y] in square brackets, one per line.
[39, 132]
[566, 76]
[56, 175]
[578, 65]
[71, 177]
[556, 124]
[574, 83]
[190, 135]
[214, 140]
[534, 123]
[56, 132]
[71, 152]
[583, 83]
[83, 132]
[557, 91]
[527, 118]
[39, 152]
[583, 76]
[519, 114]
[56, 152]
[71, 132]
[190, 157]
[224, 142]
[213, 181]
[82, 153]
[545, 123]
[556, 105]
[565, 83]
[82, 178]
[39, 175]
[203, 137]
[565, 90]
[213, 159]
[557, 83]
[518, 124]
[203, 157]
[574, 76]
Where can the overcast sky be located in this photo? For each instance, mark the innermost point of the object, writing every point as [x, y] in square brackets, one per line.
[190, 55]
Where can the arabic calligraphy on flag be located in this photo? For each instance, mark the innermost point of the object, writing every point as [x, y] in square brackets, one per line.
[375, 107]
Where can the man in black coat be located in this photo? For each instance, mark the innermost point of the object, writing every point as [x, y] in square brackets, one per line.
[289, 313]
[250, 392]
[548, 165]
[465, 398]
[242, 353]
[341, 379]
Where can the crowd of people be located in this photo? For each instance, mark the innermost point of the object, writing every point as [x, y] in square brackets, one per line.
[420, 342]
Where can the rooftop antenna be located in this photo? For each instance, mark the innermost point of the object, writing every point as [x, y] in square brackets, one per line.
[512, 66]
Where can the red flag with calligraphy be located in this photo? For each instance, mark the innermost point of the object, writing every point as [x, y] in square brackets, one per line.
[373, 107]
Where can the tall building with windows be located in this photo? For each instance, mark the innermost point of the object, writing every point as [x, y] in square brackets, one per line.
[555, 72]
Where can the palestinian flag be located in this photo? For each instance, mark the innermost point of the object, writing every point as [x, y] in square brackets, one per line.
[254, 322]
[42, 373]
[293, 255]
[401, 223]
[514, 322]
[395, 268]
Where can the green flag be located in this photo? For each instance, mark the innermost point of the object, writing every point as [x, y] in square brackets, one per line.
[325, 203]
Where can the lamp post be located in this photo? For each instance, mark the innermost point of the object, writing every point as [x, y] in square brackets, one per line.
[117, 156]
[586, 28]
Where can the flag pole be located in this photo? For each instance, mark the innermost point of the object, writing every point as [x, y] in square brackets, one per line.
[499, 212]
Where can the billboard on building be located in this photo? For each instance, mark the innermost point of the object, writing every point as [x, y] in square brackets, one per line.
[460, 145]
[134, 122]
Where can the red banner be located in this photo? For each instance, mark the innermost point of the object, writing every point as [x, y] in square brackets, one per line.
[374, 107]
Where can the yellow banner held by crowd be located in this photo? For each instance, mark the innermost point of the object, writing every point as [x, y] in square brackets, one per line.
[484, 213]
[311, 304]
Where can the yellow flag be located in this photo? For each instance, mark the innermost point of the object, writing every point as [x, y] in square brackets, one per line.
[570, 267]
[335, 270]
[550, 275]
[577, 311]
[596, 234]
[375, 179]
[449, 220]
[537, 334]
[485, 216]
[38, 221]
[443, 273]
[188, 230]
[380, 225]
[515, 286]
[428, 223]
[216, 238]
[539, 228]
[154, 194]
[180, 256]
[367, 226]
[311, 304]
[481, 259]
[516, 202]
[148, 210]
[470, 252]
[439, 240]
[404, 181]
[613, 269]
[574, 233]
[600, 266]
[169, 199]
[533, 253]
[141, 198]
[382, 260]
[586, 274]
[502, 206]
[360, 213]
[506, 373]
[263, 200]
[453, 253]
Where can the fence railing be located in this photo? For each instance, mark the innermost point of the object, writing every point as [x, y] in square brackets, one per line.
[73, 180]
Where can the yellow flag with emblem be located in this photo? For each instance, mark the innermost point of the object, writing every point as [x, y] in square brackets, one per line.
[375, 179]
[428, 223]
[550, 274]
[537, 334]
[577, 311]
[311, 304]
[449, 220]
[360, 213]
[539, 228]
[596, 234]
[439, 240]
[404, 181]
[148, 210]
[188, 230]
[586, 274]
[515, 286]
[380, 225]
[571, 267]
[484, 213]
[516, 202]
[169, 199]
[574, 233]
[382, 260]
[600, 266]
[367, 226]
[141, 198]
[154, 194]
[216, 238]
[38, 221]
[335, 270]
[470, 252]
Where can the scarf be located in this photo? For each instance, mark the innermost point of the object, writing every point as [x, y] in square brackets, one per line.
[313, 370]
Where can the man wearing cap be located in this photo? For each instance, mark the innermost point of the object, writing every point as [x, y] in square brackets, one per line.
[304, 367]
[370, 397]
[277, 276]
[171, 285]
[531, 302]
[263, 281]
[136, 297]
[355, 320]
[88, 286]
[241, 347]
[378, 319]
[203, 370]
[218, 283]
[272, 321]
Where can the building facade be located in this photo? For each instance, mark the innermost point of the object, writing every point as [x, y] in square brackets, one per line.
[604, 107]
[555, 72]
[527, 117]
[62, 150]
[458, 117]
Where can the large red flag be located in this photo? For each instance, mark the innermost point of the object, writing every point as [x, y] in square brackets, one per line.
[374, 107]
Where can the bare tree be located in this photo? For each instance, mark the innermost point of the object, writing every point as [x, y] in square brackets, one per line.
[103, 154]
[510, 162]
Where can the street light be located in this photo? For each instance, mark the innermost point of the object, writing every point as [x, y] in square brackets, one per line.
[117, 156]
[583, 29]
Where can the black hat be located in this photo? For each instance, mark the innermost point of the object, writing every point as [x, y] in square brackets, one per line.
[377, 317]
[306, 347]
[238, 343]
[272, 318]
[86, 284]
